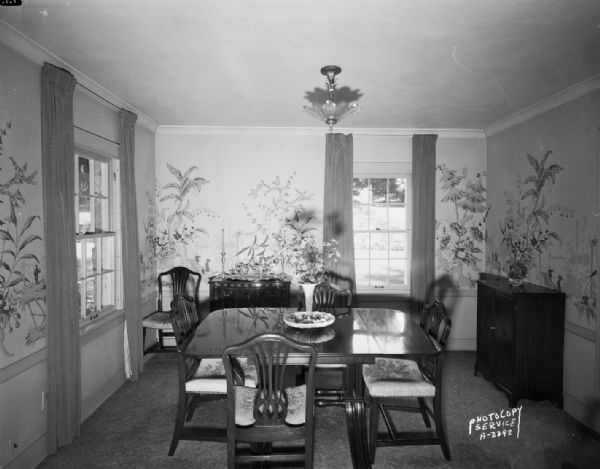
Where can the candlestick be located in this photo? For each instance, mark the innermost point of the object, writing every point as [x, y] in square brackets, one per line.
[223, 252]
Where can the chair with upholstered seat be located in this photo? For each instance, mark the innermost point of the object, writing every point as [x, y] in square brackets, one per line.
[274, 421]
[198, 380]
[183, 280]
[390, 383]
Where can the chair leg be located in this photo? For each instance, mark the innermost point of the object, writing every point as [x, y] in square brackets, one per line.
[191, 408]
[373, 424]
[179, 419]
[161, 344]
[423, 408]
[439, 426]
[230, 449]
[144, 341]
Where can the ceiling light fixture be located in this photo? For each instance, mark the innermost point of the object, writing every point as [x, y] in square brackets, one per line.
[331, 112]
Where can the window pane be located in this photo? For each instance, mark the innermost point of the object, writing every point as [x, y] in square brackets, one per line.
[100, 178]
[360, 190]
[379, 190]
[108, 254]
[90, 296]
[398, 273]
[362, 272]
[379, 271]
[78, 254]
[85, 215]
[398, 217]
[84, 176]
[361, 217]
[108, 293]
[361, 245]
[379, 245]
[398, 245]
[91, 259]
[101, 215]
[379, 217]
[397, 190]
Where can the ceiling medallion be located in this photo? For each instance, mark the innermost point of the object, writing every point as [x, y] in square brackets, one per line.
[331, 112]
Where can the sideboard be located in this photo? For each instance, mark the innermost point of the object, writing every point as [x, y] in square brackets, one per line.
[520, 336]
[228, 292]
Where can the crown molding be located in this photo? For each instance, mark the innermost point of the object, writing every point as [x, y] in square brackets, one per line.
[313, 131]
[554, 101]
[38, 54]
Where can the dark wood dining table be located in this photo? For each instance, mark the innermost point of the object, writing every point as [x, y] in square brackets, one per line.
[357, 337]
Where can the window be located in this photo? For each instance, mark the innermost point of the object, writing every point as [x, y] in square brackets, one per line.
[381, 212]
[97, 242]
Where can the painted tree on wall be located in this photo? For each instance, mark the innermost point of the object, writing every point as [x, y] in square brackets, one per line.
[148, 270]
[281, 221]
[560, 255]
[22, 288]
[177, 222]
[461, 233]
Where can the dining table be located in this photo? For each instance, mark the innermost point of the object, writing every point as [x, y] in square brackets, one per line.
[356, 337]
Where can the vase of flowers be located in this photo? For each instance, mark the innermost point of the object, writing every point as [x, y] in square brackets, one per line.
[312, 263]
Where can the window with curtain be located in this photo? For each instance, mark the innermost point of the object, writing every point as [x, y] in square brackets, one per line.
[97, 215]
[382, 222]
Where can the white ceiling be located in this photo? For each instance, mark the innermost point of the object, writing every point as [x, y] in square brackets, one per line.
[448, 64]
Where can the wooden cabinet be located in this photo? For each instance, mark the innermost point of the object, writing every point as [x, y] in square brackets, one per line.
[244, 293]
[520, 336]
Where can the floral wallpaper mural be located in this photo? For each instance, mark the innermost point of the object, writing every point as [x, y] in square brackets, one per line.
[22, 286]
[460, 225]
[280, 222]
[178, 221]
[147, 255]
[550, 243]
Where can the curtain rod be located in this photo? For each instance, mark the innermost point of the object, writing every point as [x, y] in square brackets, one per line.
[96, 135]
[99, 96]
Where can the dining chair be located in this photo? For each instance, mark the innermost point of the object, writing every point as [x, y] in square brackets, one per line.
[183, 280]
[391, 384]
[328, 295]
[273, 411]
[198, 380]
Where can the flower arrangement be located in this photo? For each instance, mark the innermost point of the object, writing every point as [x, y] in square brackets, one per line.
[525, 230]
[312, 263]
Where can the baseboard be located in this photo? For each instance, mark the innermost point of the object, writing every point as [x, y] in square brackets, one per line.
[31, 456]
[97, 398]
[461, 344]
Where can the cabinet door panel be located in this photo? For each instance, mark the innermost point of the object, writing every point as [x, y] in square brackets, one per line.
[485, 310]
[504, 340]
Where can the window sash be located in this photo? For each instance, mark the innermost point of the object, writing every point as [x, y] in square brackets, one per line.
[390, 260]
[98, 244]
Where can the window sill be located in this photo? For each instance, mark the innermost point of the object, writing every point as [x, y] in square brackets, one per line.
[383, 291]
[89, 330]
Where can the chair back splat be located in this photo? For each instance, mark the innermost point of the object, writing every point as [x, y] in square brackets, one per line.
[274, 411]
[328, 295]
[183, 281]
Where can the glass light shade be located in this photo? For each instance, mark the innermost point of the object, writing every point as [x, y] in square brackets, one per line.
[330, 112]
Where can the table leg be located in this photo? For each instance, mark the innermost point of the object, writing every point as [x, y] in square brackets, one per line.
[356, 419]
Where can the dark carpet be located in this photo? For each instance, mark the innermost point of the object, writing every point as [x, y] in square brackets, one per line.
[132, 429]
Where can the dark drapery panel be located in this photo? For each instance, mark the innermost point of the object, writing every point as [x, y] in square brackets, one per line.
[131, 253]
[62, 297]
[337, 205]
[422, 272]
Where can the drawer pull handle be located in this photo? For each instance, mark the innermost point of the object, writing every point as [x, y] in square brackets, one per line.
[492, 328]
